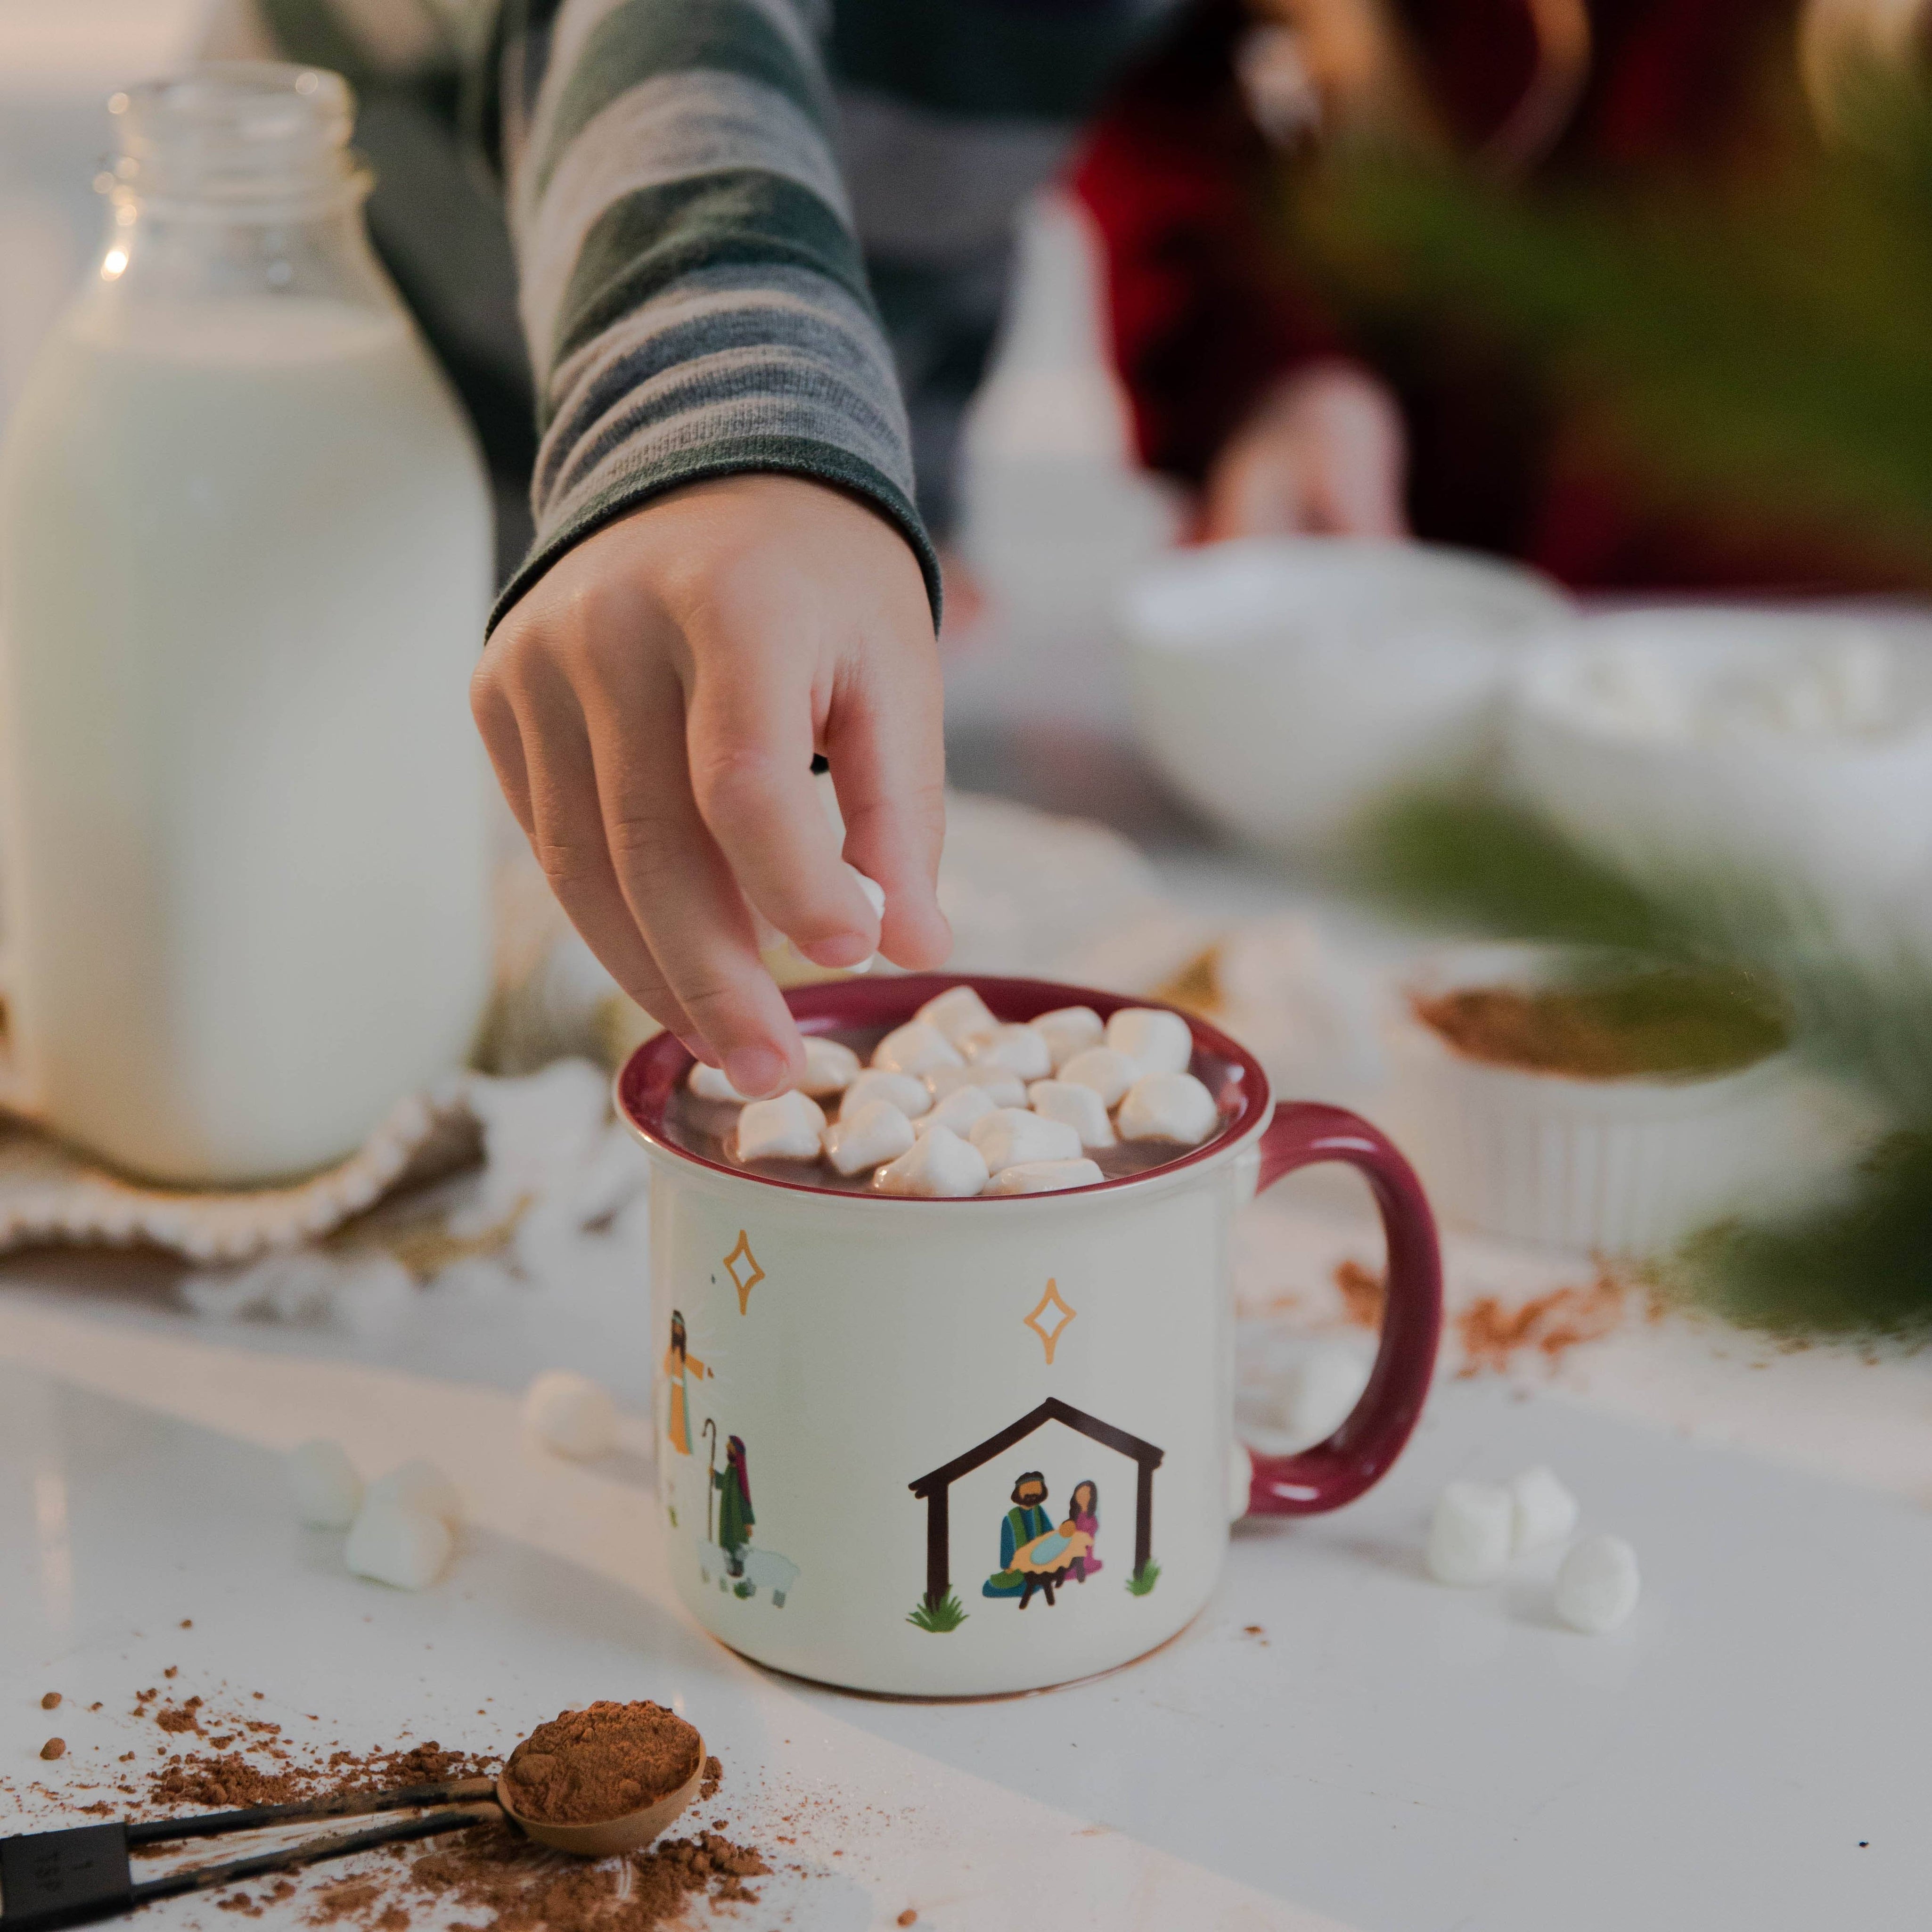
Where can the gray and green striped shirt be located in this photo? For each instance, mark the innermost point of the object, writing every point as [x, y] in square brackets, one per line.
[746, 232]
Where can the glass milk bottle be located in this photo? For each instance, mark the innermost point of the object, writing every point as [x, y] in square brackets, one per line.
[244, 566]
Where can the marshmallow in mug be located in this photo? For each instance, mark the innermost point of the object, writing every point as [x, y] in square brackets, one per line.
[1008, 1136]
[1068, 1030]
[709, 1083]
[916, 1048]
[959, 1013]
[1109, 1073]
[1004, 1089]
[1073, 1105]
[905, 1090]
[1044, 1177]
[791, 1127]
[939, 1166]
[959, 1111]
[829, 1067]
[1156, 1040]
[1021, 1051]
[867, 1137]
[1168, 1107]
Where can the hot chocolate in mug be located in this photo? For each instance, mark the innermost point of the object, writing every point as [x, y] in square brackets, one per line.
[957, 1447]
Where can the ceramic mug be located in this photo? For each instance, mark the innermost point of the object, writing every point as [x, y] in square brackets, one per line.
[946, 1448]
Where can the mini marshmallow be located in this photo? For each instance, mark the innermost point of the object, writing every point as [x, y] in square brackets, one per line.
[1168, 1107]
[1109, 1073]
[959, 1013]
[867, 1137]
[1008, 1135]
[1068, 1030]
[392, 1544]
[905, 1091]
[939, 1166]
[1003, 1089]
[1075, 1106]
[958, 1111]
[1155, 1040]
[1019, 1049]
[570, 1414]
[1597, 1587]
[1320, 1391]
[916, 1048]
[792, 1127]
[328, 1491]
[421, 1485]
[1545, 1511]
[1043, 1177]
[829, 1067]
[1469, 1534]
[709, 1083]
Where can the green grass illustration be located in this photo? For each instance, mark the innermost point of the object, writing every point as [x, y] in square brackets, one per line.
[1144, 1579]
[946, 1615]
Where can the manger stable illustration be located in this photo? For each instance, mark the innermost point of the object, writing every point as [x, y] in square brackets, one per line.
[1040, 1548]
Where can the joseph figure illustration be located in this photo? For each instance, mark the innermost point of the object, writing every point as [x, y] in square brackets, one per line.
[678, 1364]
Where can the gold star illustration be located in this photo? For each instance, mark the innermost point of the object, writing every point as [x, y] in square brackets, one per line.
[1050, 1336]
[753, 1274]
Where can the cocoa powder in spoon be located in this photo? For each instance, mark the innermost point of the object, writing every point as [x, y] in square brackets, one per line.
[586, 1766]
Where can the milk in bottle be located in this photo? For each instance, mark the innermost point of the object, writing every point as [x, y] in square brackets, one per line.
[245, 556]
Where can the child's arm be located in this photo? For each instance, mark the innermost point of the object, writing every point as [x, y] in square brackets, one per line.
[729, 574]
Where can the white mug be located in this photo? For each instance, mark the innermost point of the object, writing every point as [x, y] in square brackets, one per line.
[953, 1448]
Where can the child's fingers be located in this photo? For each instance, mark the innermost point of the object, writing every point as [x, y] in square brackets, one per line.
[566, 833]
[496, 724]
[885, 743]
[750, 740]
[679, 888]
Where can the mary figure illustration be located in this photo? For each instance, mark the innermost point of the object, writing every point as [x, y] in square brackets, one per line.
[734, 1484]
[1083, 1510]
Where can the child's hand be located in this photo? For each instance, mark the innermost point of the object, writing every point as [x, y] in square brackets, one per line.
[652, 707]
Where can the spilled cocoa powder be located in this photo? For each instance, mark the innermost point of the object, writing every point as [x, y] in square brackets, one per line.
[1549, 1325]
[585, 1767]
[1363, 1293]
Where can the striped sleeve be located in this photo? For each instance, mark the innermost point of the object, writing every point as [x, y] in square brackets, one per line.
[693, 295]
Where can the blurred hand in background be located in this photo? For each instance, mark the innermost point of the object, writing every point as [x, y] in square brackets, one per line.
[1323, 453]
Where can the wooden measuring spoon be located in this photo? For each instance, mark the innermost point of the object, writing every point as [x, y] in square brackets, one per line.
[630, 1832]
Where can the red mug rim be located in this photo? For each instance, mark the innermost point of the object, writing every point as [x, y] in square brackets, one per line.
[648, 1078]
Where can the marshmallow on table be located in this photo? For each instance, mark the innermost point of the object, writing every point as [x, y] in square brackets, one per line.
[1545, 1511]
[328, 1491]
[1075, 1106]
[1044, 1177]
[939, 1166]
[709, 1083]
[1109, 1073]
[1156, 1040]
[1002, 1088]
[1008, 1136]
[392, 1544]
[1018, 1049]
[1469, 1534]
[958, 1111]
[420, 1486]
[906, 1091]
[570, 1414]
[864, 1138]
[1319, 1392]
[1168, 1107]
[1068, 1030]
[916, 1048]
[829, 1067]
[791, 1127]
[959, 1013]
[1597, 1587]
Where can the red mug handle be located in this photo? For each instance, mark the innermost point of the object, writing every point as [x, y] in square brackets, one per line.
[1357, 1456]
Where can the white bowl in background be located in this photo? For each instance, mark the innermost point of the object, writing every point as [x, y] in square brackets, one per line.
[1621, 1167]
[1784, 748]
[1284, 684]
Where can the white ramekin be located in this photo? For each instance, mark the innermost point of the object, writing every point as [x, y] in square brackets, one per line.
[1624, 1168]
